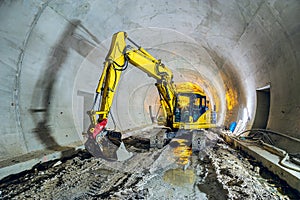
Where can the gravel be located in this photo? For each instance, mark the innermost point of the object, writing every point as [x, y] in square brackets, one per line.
[216, 171]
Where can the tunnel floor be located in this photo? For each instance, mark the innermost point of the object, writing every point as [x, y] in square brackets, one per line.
[215, 172]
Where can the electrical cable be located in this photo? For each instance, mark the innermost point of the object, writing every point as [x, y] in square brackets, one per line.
[280, 153]
[282, 162]
[270, 131]
[272, 148]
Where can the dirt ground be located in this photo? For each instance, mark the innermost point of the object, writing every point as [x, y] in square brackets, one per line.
[216, 171]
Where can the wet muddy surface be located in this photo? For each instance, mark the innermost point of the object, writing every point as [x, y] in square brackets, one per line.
[216, 171]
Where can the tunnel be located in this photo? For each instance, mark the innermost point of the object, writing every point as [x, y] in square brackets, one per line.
[243, 54]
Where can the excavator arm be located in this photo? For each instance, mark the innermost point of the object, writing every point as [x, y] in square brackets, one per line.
[117, 59]
[119, 56]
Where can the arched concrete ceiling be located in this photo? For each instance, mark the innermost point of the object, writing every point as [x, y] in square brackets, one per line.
[52, 54]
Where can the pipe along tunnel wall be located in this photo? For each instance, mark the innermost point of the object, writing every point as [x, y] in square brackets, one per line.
[52, 54]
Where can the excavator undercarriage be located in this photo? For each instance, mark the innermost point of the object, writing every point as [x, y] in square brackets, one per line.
[111, 147]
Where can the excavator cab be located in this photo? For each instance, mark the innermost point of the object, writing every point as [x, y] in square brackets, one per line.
[189, 107]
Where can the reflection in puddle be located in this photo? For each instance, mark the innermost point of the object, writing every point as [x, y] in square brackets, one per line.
[182, 152]
[179, 177]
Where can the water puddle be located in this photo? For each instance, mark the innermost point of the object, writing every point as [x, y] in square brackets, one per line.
[179, 177]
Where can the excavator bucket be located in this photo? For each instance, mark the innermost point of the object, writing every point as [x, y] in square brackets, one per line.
[107, 145]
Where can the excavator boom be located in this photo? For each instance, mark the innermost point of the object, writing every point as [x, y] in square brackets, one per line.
[116, 62]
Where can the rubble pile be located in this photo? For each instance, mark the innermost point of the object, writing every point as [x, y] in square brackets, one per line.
[215, 172]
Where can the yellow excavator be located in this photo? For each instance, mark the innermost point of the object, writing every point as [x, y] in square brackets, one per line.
[184, 105]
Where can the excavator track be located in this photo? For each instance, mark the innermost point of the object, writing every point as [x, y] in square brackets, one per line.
[107, 146]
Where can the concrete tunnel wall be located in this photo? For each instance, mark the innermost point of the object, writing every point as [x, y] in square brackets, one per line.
[52, 53]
